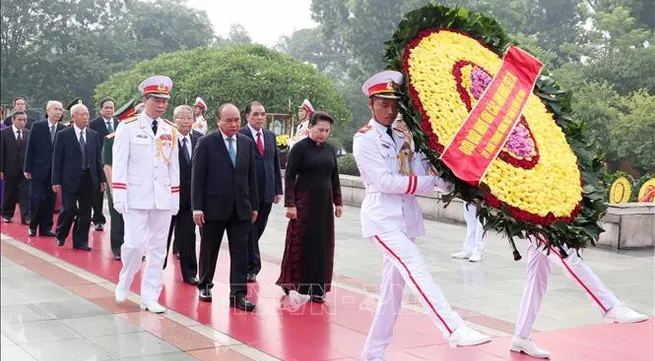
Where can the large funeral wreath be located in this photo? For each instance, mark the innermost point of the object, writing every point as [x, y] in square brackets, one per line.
[545, 182]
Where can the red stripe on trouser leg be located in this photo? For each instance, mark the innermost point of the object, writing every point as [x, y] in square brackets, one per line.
[415, 283]
[415, 184]
[566, 265]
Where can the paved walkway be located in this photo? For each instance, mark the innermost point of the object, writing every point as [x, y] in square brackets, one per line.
[47, 288]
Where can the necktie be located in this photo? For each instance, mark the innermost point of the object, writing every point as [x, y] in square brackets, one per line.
[20, 137]
[185, 150]
[233, 153]
[85, 165]
[110, 128]
[390, 133]
[260, 144]
[53, 130]
[154, 126]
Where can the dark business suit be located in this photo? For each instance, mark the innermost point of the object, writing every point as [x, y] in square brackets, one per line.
[227, 196]
[38, 162]
[269, 183]
[79, 176]
[17, 187]
[182, 225]
[99, 126]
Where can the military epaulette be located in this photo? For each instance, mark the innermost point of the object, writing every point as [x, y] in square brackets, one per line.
[129, 120]
[170, 123]
[365, 129]
[109, 136]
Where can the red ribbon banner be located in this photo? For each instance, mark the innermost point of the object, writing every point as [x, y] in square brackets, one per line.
[486, 129]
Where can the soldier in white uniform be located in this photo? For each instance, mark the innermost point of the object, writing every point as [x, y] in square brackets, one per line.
[199, 109]
[146, 186]
[476, 238]
[538, 270]
[391, 218]
[305, 111]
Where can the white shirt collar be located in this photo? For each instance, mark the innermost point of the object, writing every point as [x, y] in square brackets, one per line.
[234, 137]
[255, 131]
[110, 120]
[187, 137]
[78, 131]
[15, 129]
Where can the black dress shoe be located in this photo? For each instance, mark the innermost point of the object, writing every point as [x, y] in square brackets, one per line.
[82, 248]
[6, 219]
[285, 290]
[31, 232]
[117, 257]
[60, 242]
[47, 234]
[205, 295]
[251, 277]
[242, 303]
[191, 280]
[100, 227]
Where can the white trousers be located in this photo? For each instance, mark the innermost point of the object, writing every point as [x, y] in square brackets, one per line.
[475, 237]
[538, 271]
[403, 264]
[145, 233]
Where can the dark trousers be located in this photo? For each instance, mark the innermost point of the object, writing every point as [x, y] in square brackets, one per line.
[76, 211]
[17, 189]
[117, 227]
[184, 230]
[256, 231]
[210, 243]
[98, 200]
[42, 205]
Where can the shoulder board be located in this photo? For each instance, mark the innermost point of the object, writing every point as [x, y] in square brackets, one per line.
[129, 120]
[364, 129]
[170, 123]
[109, 136]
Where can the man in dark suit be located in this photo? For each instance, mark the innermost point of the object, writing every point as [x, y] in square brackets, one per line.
[38, 166]
[13, 140]
[104, 124]
[20, 105]
[182, 226]
[269, 179]
[224, 196]
[77, 174]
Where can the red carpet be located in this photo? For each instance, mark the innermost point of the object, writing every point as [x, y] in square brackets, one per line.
[337, 329]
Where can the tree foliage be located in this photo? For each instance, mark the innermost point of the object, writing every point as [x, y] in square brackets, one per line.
[237, 74]
[63, 49]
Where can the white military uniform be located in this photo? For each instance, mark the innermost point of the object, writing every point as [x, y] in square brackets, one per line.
[146, 185]
[476, 239]
[391, 217]
[200, 125]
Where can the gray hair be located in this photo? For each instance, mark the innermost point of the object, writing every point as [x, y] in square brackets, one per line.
[78, 107]
[52, 103]
[182, 108]
[139, 107]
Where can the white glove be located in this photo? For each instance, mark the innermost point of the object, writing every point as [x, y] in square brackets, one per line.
[443, 185]
[120, 207]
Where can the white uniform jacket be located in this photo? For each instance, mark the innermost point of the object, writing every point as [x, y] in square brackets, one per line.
[146, 167]
[390, 203]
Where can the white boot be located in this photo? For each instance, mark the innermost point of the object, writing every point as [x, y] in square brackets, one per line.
[464, 254]
[476, 256]
[527, 346]
[622, 314]
[153, 307]
[466, 336]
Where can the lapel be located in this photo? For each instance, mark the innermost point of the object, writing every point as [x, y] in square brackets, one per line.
[240, 150]
[222, 147]
[116, 122]
[247, 132]
[11, 135]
